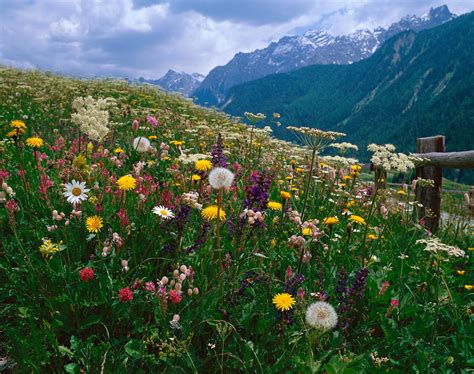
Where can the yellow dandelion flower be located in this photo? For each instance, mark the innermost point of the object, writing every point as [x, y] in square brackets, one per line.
[17, 124]
[203, 165]
[289, 177]
[273, 243]
[460, 272]
[210, 213]
[283, 301]
[401, 193]
[119, 150]
[177, 143]
[285, 195]
[299, 170]
[127, 183]
[347, 177]
[14, 133]
[152, 137]
[357, 219]
[196, 177]
[469, 287]
[34, 142]
[94, 224]
[356, 168]
[350, 203]
[329, 221]
[372, 236]
[274, 205]
[280, 181]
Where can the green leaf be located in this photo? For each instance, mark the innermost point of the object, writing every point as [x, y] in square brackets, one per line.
[72, 368]
[134, 348]
[65, 350]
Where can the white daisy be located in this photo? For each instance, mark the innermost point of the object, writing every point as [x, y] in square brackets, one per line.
[75, 192]
[163, 212]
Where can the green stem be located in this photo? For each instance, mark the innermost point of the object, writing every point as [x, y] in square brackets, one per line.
[310, 175]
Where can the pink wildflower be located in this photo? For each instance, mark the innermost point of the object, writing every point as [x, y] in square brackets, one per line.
[86, 274]
[125, 294]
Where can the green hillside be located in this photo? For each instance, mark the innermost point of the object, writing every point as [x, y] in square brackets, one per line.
[417, 84]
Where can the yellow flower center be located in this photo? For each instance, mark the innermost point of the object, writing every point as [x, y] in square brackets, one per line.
[163, 212]
[76, 191]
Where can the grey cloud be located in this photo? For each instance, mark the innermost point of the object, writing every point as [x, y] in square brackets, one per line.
[147, 37]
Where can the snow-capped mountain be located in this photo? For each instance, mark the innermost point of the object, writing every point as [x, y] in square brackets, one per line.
[174, 81]
[313, 47]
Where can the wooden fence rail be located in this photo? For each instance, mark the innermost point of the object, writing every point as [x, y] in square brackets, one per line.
[450, 160]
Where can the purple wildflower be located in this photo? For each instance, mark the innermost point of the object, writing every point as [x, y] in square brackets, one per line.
[257, 193]
[217, 153]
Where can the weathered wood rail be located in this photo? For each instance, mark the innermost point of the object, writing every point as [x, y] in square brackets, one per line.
[451, 160]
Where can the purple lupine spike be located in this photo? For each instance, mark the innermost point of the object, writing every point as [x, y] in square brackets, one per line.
[257, 193]
[182, 216]
[356, 293]
[231, 228]
[342, 292]
[217, 153]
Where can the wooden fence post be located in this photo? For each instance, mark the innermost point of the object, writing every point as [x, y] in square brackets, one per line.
[430, 197]
[471, 200]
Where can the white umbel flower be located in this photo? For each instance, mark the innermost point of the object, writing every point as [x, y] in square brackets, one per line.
[75, 192]
[163, 212]
[221, 178]
[321, 316]
[141, 144]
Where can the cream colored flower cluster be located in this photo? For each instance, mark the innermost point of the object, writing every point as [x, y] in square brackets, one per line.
[192, 158]
[316, 139]
[344, 147]
[191, 199]
[254, 117]
[435, 245]
[339, 160]
[384, 157]
[91, 116]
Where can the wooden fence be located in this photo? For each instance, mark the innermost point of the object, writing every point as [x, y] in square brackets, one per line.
[432, 149]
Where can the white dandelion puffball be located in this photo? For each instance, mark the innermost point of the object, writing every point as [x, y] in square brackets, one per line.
[141, 144]
[75, 192]
[321, 316]
[221, 178]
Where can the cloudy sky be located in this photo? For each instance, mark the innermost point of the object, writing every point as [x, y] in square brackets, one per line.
[147, 37]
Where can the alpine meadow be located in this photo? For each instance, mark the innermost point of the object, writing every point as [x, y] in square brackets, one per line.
[301, 224]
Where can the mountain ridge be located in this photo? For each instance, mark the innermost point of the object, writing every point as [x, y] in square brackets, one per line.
[313, 47]
[174, 81]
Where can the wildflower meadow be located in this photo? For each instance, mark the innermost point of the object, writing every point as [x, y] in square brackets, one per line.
[142, 233]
